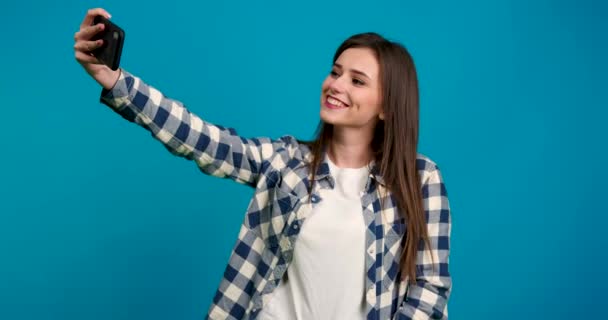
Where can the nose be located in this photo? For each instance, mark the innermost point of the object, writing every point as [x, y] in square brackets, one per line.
[337, 84]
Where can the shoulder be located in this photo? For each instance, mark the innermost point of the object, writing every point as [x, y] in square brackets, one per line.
[294, 147]
[287, 152]
[428, 170]
[425, 164]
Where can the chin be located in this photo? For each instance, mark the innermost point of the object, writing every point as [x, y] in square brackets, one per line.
[327, 118]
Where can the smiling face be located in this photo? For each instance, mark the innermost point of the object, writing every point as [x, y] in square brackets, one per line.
[351, 95]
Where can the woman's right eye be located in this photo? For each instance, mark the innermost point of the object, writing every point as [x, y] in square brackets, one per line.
[334, 74]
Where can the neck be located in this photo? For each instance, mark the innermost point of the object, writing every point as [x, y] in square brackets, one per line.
[350, 147]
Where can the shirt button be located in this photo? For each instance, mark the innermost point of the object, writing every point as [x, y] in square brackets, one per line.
[372, 251]
[284, 243]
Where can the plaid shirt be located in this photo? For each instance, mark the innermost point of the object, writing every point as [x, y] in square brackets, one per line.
[278, 171]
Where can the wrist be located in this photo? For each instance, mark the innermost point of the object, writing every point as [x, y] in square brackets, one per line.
[109, 78]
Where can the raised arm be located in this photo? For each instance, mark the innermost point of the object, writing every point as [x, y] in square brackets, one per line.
[217, 151]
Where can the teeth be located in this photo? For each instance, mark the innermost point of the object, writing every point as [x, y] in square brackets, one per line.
[335, 102]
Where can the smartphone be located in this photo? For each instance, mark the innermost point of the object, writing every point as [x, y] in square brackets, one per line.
[113, 39]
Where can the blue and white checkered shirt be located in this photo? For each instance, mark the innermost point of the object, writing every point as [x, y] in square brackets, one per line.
[278, 171]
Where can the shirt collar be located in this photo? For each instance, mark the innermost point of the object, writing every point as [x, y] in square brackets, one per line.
[323, 171]
[375, 173]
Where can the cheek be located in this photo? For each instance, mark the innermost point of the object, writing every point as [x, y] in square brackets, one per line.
[370, 101]
[376, 102]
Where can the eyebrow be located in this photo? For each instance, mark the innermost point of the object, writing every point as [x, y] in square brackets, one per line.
[353, 71]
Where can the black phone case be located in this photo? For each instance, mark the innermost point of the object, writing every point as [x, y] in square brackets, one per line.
[113, 39]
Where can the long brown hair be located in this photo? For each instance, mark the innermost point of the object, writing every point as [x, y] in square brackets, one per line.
[395, 140]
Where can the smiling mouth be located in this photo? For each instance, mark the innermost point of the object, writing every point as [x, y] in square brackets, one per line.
[334, 103]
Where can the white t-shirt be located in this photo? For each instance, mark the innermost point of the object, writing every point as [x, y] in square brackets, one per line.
[326, 278]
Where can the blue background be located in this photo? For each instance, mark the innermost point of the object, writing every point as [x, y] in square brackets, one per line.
[99, 221]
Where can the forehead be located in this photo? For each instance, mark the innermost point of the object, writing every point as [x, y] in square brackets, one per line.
[361, 59]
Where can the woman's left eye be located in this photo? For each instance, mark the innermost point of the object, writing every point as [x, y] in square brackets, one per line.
[358, 82]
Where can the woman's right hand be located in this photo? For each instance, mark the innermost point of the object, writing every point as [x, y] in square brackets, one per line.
[83, 46]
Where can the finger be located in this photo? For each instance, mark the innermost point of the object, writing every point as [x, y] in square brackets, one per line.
[87, 46]
[88, 32]
[86, 58]
[91, 14]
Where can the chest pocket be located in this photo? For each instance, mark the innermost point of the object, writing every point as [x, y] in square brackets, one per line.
[393, 235]
[279, 216]
[393, 224]
[394, 232]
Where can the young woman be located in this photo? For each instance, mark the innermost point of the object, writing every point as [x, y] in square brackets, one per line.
[352, 225]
